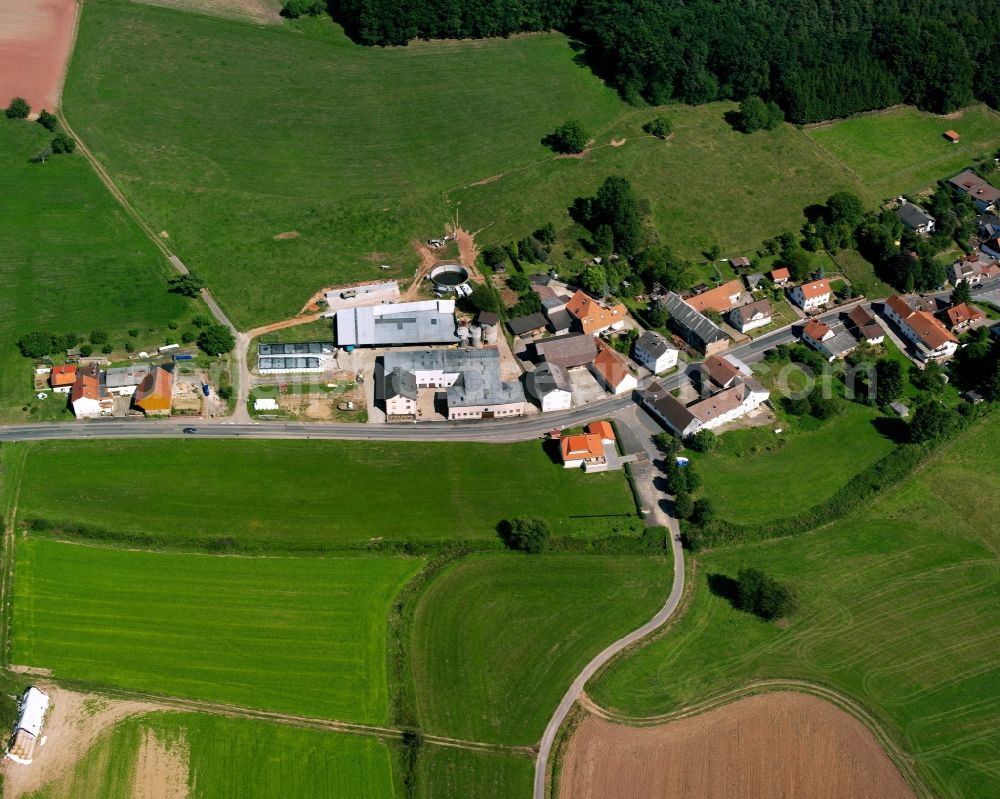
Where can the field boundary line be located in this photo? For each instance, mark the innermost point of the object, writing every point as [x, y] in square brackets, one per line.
[902, 760]
[7, 571]
[176, 703]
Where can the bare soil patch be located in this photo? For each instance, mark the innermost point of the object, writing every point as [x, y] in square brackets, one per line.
[260, 11]
[74, 724]
[161, 772]
[618, 142]
[288, 234]
[773, 746]
[35, 42]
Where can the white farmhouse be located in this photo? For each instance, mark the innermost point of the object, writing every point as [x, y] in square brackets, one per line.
[742, 397]
[549, 385]
[812, 295]
[751, 316]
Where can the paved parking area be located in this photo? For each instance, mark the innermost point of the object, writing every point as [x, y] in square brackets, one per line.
[585, 386]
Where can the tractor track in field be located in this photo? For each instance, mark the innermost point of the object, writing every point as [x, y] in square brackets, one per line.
[174, 703]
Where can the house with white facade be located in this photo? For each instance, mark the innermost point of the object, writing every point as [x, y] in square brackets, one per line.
[826, 342]
[613, 370]
[655, 352]
[124, 380]
[812, 295]
[751, 316]
[742, 397]
[89, 396]
[933, 341]
[973, 269]
[549, 385]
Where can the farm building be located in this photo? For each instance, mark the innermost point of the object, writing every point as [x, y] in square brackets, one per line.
[549, 385]
[289, 365]
[89, 395]
[529, 326]
[32, 710]
[613, 370]
[363, 294]
[474, 388]
[398, 324]
[653, 351]
[952, 136]
[720, 299]
[575, 349]
[742, 397]
[866, 326]
[697, 330]
[593, 317]
[398, 388]
[155, 394]
[62, 378]
[124, 380]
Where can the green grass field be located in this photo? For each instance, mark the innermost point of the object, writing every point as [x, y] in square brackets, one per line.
[288, 495]
[497, 640]
[304, 636]
[70, 262]
[466, 774]
[898, 610]
[226, 135]
[360, 150]
[903, 150]
[756, 475]
[223, 757]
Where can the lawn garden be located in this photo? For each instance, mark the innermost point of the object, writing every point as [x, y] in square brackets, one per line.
[898, 611]
[303, 636]
[313, 495]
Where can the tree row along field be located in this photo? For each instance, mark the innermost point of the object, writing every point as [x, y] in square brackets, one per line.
[70, 261]
[898, 611]
[208, 757]
[226, 135]
[312, 495]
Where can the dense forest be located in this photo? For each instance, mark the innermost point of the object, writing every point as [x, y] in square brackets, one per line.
[818, 59]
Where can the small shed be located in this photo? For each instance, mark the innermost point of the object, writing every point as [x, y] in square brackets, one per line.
[34, 705]
[901, 410]
[952, 136]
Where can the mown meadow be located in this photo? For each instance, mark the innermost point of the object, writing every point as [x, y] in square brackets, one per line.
[898, 611]
[312, 495]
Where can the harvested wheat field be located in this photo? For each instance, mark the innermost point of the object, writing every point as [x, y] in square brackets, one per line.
[774, 746]
[260, 11]
[35, 42]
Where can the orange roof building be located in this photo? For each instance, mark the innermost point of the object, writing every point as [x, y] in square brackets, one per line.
[720, 299]
[63, 377]
[932, 339]
[952, 136]
[602, 429]
[612, 370]
[593, 317]
[155, 393]
[780, 276]
[582, 450]
[963, 315]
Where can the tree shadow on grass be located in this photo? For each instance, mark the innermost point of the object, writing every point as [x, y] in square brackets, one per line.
[551, 448]
[725, 587]
[895, 429]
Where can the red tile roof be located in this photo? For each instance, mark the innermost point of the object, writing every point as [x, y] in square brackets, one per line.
[721, 371]
[602, 429]
[961, 314]
[64, 375]
[816, 288]
[717, 299]
[611, 365]
[593, 316]
[816, 330]
[581, 447]
[780, 274]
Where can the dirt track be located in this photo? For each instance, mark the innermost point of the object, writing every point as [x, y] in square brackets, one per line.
[36, 37]
[773, 746]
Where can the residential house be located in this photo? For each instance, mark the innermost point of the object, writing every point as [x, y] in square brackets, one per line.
[575, 349]
[719, 299]
[915, 218]
[155, 393]
[962, 316]
[584, 451]
[973, 269]
[89, 397]
[932, 339]
[62, 378]
[751, 316]
[726, 405]
[398, 389]
[697, 330]
[549, 385]
[812, 295]
[124, 380]
[830, 345]
[603, 429]
[781, 277]
[528, 327]
[866, 326]
[613, 370]
[470, 377]
[720, 371]
[991, 247]
[655, 352]
[979, 190]
[593, 317]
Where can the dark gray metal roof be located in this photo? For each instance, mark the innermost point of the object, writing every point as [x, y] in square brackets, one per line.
[689, 319]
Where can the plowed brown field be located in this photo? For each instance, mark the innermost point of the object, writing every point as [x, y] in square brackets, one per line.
[35, 40]
[774, 746]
